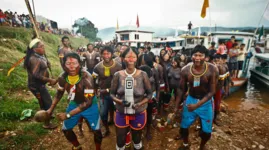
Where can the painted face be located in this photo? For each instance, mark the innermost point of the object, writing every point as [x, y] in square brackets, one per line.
[157, 60]
[122, 49]
[106, 56]
[174, 63]
[141, 50]
[66, 42]
[72, 66]
[198, 58]
[217, 60]
[90, 48]
[118, 48]
[130, 58]
[40, 49]
[96, 49]
[166, 57]
[162, 52]
[182, 57]
[207, 59]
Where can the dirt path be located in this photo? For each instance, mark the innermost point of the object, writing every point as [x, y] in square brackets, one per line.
[241, 130]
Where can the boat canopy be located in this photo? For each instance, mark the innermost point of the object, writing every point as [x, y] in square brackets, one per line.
[192, 37]
[263, 56]
[233, 33]
[168, 40]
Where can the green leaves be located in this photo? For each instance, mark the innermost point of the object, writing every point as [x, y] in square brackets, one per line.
[86, 28]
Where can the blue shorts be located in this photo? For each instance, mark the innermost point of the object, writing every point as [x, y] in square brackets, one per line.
[91, 114]
[204, 112]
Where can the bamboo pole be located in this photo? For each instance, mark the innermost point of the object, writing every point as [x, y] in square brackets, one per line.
[32, 18]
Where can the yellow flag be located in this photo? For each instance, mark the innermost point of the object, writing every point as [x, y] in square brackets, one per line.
[117, 24]
[10, 70]
[205, 5]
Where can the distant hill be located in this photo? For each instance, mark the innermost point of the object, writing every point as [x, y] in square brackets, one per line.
[108, 33]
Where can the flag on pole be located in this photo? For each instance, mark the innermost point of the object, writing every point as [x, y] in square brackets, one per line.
[199, 32]
[117, 27]
[137, 21]
[205, 5]
[261, 33]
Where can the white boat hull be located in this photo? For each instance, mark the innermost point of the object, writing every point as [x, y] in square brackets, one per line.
[259, 76]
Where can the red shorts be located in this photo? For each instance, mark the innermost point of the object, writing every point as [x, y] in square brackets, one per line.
[217, 100]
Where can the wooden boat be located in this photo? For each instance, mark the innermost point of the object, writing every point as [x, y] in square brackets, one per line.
[175, 43]
[240, 37]
[238, 83]
[260, 71]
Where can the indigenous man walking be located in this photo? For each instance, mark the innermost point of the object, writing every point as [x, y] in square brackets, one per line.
[202, 79]
[65, 49]
[104, 72]
[83, 102]
[92, 58]
[38, 75]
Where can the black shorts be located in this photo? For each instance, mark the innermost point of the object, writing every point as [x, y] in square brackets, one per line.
[45, 99]
[240, 65]
[233, 66]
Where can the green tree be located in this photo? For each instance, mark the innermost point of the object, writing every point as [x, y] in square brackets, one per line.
[86, 28]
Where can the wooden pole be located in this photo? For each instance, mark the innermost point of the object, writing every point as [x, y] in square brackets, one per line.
[32, 18]
[34, 9]
[261, 18]
[35, 28]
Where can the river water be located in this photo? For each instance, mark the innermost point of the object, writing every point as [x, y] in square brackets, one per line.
[253, 94]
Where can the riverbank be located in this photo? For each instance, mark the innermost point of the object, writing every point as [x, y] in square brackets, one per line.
[14, 95]
[240, 130]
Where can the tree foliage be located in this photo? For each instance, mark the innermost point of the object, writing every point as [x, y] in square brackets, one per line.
[86, 28]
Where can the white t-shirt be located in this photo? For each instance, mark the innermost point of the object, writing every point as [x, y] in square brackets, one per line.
[241, 55]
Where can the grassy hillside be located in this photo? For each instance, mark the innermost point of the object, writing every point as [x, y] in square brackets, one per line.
[14, 95]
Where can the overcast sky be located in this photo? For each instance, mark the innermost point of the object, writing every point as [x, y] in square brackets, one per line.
[159, 13]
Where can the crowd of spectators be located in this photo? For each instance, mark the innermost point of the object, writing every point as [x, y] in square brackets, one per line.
[13, 19]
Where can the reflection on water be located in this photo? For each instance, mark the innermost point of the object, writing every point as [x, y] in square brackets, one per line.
[253, 94]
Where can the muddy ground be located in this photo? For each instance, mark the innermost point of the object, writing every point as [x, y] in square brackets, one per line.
[240, 130]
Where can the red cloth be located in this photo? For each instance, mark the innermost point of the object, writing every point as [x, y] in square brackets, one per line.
[229, 45]
[2, 15]
[137, 22]
[217, 100]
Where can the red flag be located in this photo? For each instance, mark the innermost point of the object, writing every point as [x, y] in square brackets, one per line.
[137, 22]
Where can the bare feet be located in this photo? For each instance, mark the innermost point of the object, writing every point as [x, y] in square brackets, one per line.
[49, 126]
[203, 148]
[177, 137]
[182, 147]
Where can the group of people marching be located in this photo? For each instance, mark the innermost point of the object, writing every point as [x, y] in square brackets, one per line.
[129, 87]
